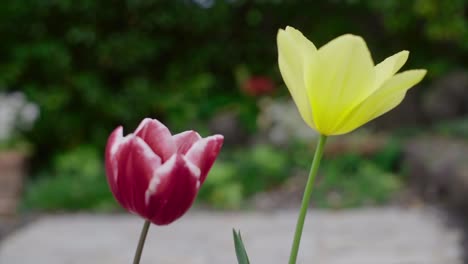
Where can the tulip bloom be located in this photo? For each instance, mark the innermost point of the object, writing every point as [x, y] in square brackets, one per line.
[258, 85]
[337, 88]
[155, 174]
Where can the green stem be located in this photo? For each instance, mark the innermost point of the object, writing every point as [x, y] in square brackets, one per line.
[141, 242]
[306, 199]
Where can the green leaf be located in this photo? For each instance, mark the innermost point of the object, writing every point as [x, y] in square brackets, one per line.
[242, 257]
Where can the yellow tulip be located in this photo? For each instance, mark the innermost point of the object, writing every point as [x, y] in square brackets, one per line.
[337, 88]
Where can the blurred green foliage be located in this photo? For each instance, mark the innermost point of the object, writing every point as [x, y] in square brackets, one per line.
[241, 173]
[453, 128]
[435, 31]
[76, 182]
[92, 65]
[18, 143]
[352, 180]
[348, 180]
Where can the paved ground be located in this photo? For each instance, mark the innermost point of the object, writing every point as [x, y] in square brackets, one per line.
[366, 236]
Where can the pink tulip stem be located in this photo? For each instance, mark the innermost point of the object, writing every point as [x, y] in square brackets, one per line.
[141, 242]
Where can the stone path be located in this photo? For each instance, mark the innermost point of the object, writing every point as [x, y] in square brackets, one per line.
[364, 236]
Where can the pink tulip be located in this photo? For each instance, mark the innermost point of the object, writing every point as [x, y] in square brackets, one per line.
[155, 174]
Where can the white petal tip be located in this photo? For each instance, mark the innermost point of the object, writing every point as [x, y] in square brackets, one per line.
[148, 121]
[196, 172]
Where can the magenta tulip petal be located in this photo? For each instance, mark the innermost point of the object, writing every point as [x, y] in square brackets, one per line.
[123, 169]
[156, 175]
[137, 163]
[157, 136]
[172, 190]
[185, 140]
[113, 144]
[204, 152]
[144, 163]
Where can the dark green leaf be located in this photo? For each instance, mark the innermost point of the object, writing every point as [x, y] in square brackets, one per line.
[242, 257]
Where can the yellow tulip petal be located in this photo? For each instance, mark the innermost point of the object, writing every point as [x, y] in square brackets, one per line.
[338, 78]
[382, 100]
[293, 47]
[337, 88]
[388, 67]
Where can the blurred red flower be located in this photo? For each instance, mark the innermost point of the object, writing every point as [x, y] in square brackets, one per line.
[258, 85]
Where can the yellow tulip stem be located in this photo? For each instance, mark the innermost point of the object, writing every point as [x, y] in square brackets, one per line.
[306, 198]
[141, 242]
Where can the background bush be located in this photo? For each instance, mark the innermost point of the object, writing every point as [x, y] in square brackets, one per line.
[92, 65]
[75, 182]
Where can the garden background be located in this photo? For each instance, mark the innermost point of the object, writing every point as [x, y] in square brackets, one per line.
[212, 66]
